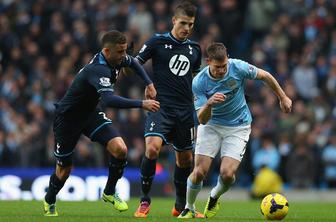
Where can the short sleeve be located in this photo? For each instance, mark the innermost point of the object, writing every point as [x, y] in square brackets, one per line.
[99, 78]
[146, 52]
[247, 70]
[200, 98]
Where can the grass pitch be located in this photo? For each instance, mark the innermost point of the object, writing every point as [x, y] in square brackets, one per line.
[32, 211]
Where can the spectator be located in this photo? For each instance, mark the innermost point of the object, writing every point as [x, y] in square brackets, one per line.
[267, 155]
[304, 78]
[42, 43]
[329, 161]
[300, 168]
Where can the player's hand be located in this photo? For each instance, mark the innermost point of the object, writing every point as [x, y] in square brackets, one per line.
[216, 98]
[286, 104]
[150, 92]
[150, 105]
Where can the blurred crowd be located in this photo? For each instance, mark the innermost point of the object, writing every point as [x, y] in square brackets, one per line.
[44, 43]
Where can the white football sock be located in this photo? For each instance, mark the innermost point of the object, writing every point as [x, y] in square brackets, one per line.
[192, 192]
[220, 187]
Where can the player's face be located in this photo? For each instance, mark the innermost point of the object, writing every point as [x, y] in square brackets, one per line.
[116, 53]
[218, 68]
[182, 26]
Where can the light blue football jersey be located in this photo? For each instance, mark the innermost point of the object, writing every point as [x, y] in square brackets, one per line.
[234, 110]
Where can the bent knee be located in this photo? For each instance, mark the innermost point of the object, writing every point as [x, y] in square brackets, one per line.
[199, 174]
[227, 175]
[118, 149]
[152, 151]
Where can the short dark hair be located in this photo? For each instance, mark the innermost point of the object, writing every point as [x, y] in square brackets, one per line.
[216, 51]
[113, 37]
[186, 8]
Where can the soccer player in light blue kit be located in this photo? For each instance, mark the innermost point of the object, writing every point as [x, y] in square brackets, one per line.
[225, 122]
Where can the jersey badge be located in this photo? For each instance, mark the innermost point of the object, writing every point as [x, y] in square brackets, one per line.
[104, 81]
[190, 50]
[232, 84]
[57, 148]
[152, 126]
[250, 69]
[117, 73]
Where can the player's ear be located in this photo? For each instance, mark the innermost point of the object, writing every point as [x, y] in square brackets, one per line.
[173, 20]
[207, 60]
[106, 50]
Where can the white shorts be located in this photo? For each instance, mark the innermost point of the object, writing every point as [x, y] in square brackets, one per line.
[231, 141]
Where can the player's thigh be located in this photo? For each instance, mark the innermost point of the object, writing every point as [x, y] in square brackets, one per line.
[183, 133]
[153, 144]
[234, 141]
[100, 128]
[66, 135]
[159, 124]
[208, 141]
[229, 166]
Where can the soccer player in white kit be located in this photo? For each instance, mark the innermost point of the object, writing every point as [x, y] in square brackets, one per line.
[225, 122]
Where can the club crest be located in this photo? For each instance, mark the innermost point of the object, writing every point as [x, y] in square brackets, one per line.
[104, 81]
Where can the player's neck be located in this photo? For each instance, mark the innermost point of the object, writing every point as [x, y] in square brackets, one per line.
[214, 77]
[104, 56]
[174, 35]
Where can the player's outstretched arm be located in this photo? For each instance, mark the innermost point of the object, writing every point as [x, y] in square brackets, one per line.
[204, 114]
[285, 101]
[110, 100]
[135, 65]
[150, 91]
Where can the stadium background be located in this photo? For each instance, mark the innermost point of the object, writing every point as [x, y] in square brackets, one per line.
[44, 43]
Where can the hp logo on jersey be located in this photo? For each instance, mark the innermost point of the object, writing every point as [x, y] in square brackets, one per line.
[179, 65]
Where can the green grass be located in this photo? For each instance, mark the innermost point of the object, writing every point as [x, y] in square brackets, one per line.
[13, 211]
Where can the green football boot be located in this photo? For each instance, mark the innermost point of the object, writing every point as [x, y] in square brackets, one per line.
[50, 209]
[116, 201]
[211, 208]
[187, 214]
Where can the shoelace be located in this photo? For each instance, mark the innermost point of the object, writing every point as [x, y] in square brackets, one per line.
[143, 206]
[116, 196]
